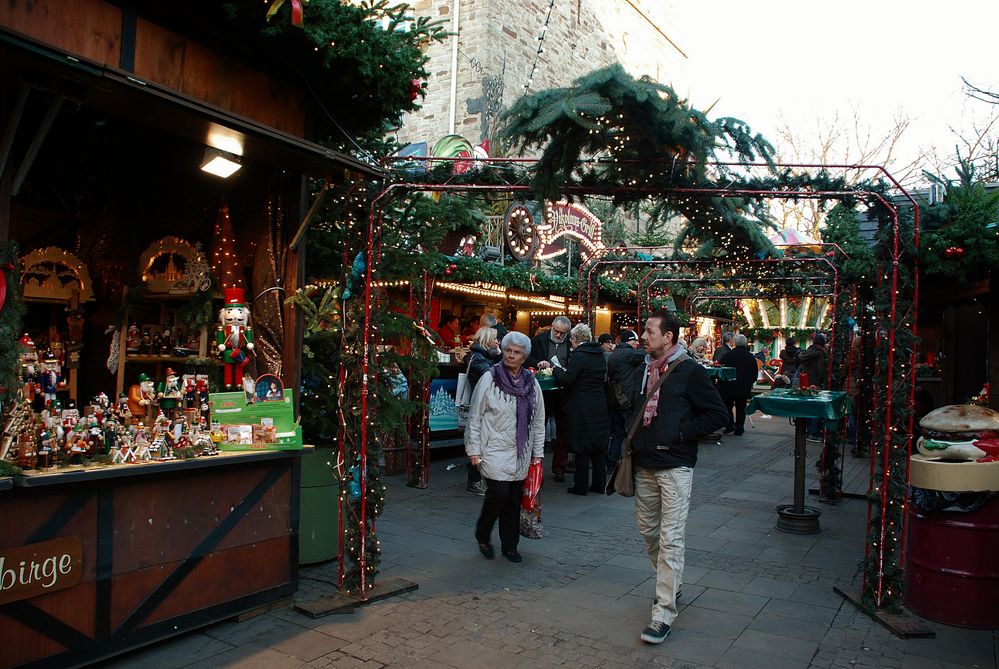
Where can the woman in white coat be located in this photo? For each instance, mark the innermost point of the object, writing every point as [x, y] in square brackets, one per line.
[504, 435]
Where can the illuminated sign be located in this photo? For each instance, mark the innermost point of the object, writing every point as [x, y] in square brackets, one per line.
[530, 239]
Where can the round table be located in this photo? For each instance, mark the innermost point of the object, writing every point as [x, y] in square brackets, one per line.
[827, 404]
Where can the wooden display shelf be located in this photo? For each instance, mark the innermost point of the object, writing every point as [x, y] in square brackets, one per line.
[179, 359]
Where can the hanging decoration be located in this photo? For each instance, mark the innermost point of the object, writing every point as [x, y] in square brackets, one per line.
[297, 18]
[174, 266]
[53, 274]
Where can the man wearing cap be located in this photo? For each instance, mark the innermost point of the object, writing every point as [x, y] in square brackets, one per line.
[234, 337]
[814, 364]
[622, 371]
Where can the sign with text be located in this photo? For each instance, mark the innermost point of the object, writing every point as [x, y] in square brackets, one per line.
[38, 569]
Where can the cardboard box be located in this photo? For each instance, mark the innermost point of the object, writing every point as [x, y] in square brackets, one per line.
[953, 476]
[231, 409]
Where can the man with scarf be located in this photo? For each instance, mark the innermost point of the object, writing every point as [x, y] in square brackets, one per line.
[547, 349]
[504, 435]
[664, 451]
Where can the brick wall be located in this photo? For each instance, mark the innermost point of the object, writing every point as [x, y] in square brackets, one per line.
[498, 42]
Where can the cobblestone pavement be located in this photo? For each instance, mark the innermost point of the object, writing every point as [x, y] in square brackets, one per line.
[752, 596]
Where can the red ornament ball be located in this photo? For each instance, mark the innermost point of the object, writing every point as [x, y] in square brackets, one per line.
[450, 269]
[414, 89]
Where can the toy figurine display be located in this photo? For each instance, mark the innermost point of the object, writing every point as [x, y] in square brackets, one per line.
[234, 337]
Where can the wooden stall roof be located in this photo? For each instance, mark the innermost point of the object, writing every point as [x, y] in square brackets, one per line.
[119, 93]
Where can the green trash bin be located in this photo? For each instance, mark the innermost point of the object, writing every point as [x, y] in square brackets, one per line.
[317, 529]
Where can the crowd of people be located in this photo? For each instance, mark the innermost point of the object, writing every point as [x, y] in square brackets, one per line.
[649, 393]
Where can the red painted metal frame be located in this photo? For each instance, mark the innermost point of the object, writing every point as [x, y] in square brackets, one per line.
[705, 192]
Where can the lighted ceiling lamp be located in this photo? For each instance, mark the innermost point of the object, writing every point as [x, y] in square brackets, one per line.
[220, 163]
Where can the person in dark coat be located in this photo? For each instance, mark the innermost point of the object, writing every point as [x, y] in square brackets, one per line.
[738, 391]
[725, 347]
[554, 343]
[485, 353]
[586, 409]
[623, 366]
[789, 360]
[814, 363]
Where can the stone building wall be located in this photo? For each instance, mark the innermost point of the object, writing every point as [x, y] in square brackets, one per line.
[498, 44]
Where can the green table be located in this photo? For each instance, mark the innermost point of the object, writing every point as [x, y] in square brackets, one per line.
[825, 404]
[720, 373]
[548, 383]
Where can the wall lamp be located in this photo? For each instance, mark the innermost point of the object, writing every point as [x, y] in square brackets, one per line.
[220, 163]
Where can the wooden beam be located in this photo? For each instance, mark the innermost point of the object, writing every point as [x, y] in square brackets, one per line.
[15, 119]
[36, 144]
[992, 344]
[293, 273]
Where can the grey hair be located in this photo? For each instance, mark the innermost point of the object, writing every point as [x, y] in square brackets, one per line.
[740, 340]
[518, 339]
[581, 333]
[489, 319]
[727, 337]
[564, 320]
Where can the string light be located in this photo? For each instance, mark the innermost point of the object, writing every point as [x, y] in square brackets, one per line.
[541, 47]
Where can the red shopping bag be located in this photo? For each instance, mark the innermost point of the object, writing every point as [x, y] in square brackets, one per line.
[532, 484]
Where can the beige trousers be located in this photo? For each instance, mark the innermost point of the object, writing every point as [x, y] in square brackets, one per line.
[662, 499]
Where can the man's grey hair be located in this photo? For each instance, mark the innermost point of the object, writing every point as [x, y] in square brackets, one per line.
[489, 320]
[727, 337]
[581, 333]
[518, 339]
[740, 340]
[564, 320]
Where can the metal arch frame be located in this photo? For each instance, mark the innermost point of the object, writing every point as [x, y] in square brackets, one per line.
[887, 272]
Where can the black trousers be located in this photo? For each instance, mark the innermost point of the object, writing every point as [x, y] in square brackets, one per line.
[739, 404]
[502, 502]
[581, 478]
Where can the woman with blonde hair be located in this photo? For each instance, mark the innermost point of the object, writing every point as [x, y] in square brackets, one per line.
[698, 348]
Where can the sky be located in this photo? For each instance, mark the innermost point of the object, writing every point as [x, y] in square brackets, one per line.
[804, 62]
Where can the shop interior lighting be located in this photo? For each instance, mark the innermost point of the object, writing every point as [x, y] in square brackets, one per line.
[220, 163]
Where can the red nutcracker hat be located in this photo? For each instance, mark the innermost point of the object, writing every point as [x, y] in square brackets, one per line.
[235, 297]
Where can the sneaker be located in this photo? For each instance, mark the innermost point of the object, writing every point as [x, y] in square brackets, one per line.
[813, 438]
[656, 632]
[477, 488]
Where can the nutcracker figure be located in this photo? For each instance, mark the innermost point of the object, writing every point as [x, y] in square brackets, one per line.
[234, 337]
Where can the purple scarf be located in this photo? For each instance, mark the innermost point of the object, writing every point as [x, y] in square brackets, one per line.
[526, 399]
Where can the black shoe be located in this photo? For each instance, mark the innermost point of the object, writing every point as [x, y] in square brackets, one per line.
[558, 477]
[512, 556]
[487, 550]
[656, 632]
[577, 492]
[738, 433]
[598, 490]
[726, 431]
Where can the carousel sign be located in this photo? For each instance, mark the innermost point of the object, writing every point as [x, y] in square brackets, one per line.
[530, 236]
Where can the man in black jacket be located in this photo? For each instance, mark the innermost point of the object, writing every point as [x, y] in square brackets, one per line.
[738, 391]
[814, 364]
[554, 344]
[664, 451]
[623, 366]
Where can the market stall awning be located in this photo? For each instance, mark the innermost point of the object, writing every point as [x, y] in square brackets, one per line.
[117, 93]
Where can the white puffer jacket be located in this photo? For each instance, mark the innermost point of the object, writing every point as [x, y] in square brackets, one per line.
[491, 432]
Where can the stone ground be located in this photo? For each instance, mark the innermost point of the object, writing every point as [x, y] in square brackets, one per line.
[752, 596]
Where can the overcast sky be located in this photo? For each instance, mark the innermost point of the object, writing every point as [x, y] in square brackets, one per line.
[804, 61]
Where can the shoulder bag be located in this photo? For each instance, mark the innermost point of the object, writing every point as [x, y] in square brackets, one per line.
[463, 394]
[622, 480]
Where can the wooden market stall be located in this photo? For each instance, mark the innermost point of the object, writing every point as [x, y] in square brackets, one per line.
[106, 114]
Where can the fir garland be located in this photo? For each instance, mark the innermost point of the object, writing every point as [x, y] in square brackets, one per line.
[11, 318]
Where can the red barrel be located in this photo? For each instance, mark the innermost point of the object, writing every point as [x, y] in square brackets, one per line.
[952, 566]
